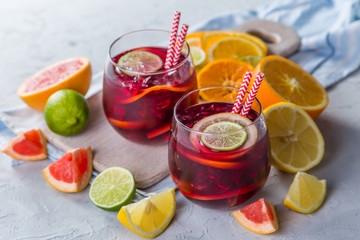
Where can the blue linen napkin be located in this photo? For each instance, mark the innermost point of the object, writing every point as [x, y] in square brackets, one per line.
[329, 32]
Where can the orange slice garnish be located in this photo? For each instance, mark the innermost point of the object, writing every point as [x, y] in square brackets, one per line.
[154, 88]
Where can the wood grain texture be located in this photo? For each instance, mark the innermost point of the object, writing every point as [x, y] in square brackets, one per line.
[149, 164]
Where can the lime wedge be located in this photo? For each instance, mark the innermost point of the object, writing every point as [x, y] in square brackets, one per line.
[112, 188]
[198, 55]
[229, 132]
[251, 59]
[140, 61]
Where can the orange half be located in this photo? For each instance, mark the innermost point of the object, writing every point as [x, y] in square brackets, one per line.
[285, 81]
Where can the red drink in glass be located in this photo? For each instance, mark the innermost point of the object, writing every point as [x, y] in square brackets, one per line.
[139, 106]
[216, 178]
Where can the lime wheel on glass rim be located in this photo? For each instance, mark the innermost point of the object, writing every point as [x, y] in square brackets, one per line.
[224, 132]
[140, 62]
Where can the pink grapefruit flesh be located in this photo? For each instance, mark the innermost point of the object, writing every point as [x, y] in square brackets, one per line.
[28, 146]
[74, 73]
[259, 217]
[53, 75]
[72, 172]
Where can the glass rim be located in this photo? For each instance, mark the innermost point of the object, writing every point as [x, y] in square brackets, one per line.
[153, 73]
[212, 134]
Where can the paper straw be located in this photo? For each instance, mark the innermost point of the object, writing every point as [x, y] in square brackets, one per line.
[179, 44]
[241, 93]
[252, 94]
[173, 34]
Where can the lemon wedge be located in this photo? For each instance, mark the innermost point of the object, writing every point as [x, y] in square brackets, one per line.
[150, 216]
[306, 193]
[296, 142]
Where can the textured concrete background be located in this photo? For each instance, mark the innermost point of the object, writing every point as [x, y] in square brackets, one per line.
[34, 34]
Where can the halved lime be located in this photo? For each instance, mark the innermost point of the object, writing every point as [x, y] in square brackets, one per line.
[230, 131]
[198, 55]
[251, 59]
[112, 188]
[140, 61]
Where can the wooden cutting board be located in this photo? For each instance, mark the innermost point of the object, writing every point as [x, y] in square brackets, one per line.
[149, 164]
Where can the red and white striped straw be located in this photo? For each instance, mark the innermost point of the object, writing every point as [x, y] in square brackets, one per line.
[241, 93]
[179, 44]
[252, 94]
[173, 35]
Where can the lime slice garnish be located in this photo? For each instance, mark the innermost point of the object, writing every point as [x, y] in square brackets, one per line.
[230, 131]
[198, 55]
[112, 188]
[226, 136]
[251, 59]
[140, 61]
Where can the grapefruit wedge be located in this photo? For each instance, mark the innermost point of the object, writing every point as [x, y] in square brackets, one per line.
[72, 172]
[259, 217]
[73, 73]
[28, 146]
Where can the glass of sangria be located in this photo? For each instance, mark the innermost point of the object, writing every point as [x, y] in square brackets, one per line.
[139, 95]
[217, 158]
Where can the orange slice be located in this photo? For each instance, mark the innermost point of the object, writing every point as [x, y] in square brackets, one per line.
[285, 81]
[222, 72]
[154, 88]
[259, 217]
[127, 124]
[72, 172]
[73, 73]
[195, 39]
[28, 146]
[233, 47]
[209, 38]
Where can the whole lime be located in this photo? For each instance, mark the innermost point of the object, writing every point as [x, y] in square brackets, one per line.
[66, 112]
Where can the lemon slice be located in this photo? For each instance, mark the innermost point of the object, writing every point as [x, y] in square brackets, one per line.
[296, 142]
[306, 193]
[150, 216]
[140, 61]
[198, 55]
[233, 47]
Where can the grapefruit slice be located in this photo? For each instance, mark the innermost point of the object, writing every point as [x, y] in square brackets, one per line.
[28, 146]
[259, 217]
[73, 73]
[72, 172]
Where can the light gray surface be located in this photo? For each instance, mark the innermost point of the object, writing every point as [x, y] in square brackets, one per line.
[34, 34]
